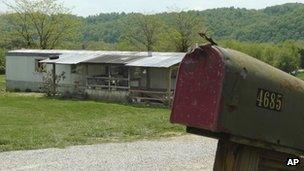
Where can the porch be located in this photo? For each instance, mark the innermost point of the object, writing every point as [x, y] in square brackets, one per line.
[135, 84]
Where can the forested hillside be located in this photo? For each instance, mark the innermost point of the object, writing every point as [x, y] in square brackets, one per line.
[273, 24]
[274, 34]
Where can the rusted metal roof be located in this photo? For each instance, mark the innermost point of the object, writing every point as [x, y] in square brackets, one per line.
[139, 59]
[113, 59]
[159, 60]
[72, 58]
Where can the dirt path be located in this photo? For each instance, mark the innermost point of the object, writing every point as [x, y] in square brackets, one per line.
[178, 153]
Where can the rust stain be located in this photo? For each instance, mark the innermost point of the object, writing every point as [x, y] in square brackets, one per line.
[292, 85]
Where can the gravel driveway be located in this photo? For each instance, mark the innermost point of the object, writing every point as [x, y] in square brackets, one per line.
[179, 153]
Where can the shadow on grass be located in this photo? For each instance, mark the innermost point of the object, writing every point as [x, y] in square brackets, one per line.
[64, 98]
[135, 105]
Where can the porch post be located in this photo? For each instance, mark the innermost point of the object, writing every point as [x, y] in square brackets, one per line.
[54, 77]
[147, 79]
[86, 74]
[109, 78]
[169, 85]
[87, 69]
[129, 78]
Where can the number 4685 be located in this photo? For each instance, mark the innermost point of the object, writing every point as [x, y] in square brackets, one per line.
[269, 100]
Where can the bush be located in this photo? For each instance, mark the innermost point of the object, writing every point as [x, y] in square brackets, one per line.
[50, 87]
[286, 62]
[2, 61]
[301, 52]
[285, 56]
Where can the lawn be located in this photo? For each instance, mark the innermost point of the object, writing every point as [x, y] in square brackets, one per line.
[2, 83]
[300, 75]
[32, 121]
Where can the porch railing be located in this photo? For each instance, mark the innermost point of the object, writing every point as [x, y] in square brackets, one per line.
[136, 94]
[152, 95]
[108, 83]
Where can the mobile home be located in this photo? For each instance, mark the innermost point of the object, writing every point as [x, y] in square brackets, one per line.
[112, 75]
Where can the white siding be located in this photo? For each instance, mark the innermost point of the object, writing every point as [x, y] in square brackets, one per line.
[20, 68]
[21, 74]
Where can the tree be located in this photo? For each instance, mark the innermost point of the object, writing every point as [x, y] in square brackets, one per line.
[143, 31]
[288, 58]
[284, 56]
[42, 24]
[186, 26]
[301, 51]
[2, 61]
[286, 62]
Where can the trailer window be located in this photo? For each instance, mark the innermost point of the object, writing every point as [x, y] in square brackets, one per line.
[40, 67]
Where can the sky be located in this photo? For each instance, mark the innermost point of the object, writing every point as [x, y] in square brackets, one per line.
[91, 7]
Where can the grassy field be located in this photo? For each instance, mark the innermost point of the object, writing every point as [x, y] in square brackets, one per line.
[31, 121]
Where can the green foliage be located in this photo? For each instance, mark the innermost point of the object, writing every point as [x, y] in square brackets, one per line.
[143, 31]
[92, 45]
[104, 27]
[286, 62]
[41, 24]
[300, 75]
[273, 24]
[284, 56]
[2, 83]
[300, 45]
[259, 33]
[125, 45]
[184, 28]
[2, 61]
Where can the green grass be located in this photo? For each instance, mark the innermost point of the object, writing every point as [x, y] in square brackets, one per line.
[31, 121]
[300, 75]
[2, 83]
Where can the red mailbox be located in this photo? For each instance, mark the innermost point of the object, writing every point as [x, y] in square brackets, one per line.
[222, 92]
